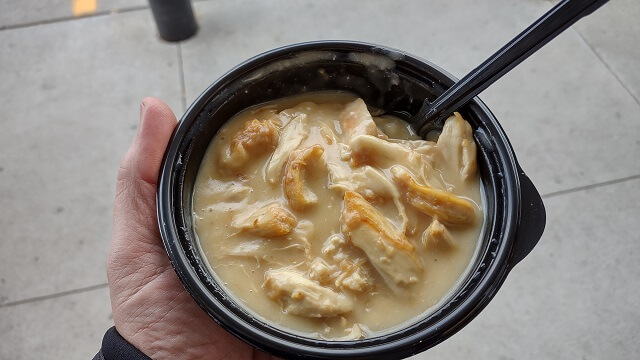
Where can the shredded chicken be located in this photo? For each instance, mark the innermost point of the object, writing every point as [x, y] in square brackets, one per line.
[370, 183]
[457, 146]
[255, 136]
[227, 191]
[423, 147]
[296, 244]
[302, 235]
[437, 237]
[334, 248]
[300, 196]
[388, 250]
[300, 296]
[327, 134]
[356, 120]
[351, 274]
[262, 250]
[320, 271]
[293, 134]
[354, 276]
[448, 208]
[268, 221]
[231, 196]
[369, 150]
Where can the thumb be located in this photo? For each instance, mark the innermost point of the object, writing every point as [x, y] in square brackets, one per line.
[144, 158]
[135, 229]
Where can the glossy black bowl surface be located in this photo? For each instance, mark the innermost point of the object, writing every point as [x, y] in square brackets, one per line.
[386, 79]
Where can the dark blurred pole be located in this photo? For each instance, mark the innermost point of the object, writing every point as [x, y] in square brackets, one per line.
[174, 19]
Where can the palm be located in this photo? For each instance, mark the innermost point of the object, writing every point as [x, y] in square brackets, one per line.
[151, 309]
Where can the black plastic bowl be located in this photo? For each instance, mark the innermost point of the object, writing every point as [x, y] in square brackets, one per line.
[386, 79]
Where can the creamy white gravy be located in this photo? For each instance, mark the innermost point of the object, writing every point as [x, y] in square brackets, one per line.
[297, 255]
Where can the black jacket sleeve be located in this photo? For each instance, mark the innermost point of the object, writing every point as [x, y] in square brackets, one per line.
[115, 347]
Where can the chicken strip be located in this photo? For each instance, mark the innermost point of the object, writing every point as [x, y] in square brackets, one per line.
[303, 235]
[327, 133]
[355, 119]
[256, 136]
[354, 276]
[300, 296]
[369, 150]
[294, 249]
[226, 191]
[388, 250]
[320, 271]
[334, 248]
[448, 208]
[269, 221]
[298, 195]
[423, 147]
[437, 237]
[231, 196]
[273, 253]
[457, 146]
[369, 182]
[293, 134]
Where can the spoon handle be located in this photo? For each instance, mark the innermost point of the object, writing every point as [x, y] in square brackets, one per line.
[555, 21]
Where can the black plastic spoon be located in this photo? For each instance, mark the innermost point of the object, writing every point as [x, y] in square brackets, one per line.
[559, 18]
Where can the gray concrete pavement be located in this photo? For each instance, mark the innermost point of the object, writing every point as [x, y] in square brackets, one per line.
[63, 327]
[28, 12]
[70, 99]
[69, 102]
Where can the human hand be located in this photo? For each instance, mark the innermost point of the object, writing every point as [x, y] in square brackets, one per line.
[151, 309]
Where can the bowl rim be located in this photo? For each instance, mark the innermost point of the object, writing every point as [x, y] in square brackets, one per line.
[489, 278]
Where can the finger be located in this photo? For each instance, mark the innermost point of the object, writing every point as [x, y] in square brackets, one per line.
[135, 221]
[141, 165]
[157, 122]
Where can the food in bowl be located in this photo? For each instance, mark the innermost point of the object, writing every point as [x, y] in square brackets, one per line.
[335, 224]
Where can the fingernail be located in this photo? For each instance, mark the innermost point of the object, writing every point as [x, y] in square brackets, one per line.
[143, 109]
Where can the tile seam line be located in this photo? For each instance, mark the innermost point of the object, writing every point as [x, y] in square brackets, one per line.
[61, 19]
[55, 295]
[606, 65]
[591, 186]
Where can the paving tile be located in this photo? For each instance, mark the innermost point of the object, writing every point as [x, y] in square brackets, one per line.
[30, 11]
[231, 32]
[68, 327]
[569, 119]
[576, 296]
[614, 33]
[70, 107]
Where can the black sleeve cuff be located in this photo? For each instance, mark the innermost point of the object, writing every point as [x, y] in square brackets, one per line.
[115, 347]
